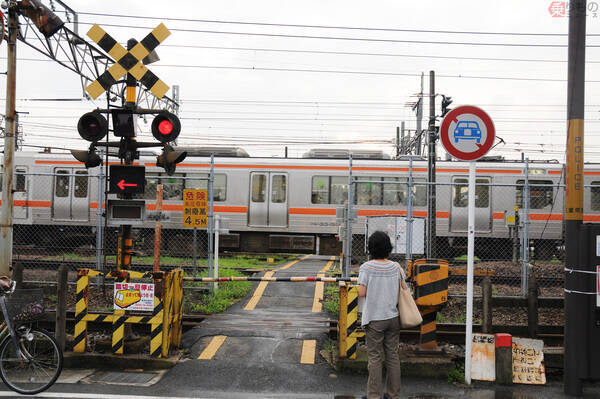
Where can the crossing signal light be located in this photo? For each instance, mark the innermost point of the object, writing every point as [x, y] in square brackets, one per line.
[89, 158]
[42, 17]
[166, 127]
[92, 126]
[169, 159]
[446, 101]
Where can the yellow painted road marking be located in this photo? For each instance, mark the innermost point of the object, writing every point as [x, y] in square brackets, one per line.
[212, 347]
[320, 288]
[258, 293]
[263, 284]
[309, 347]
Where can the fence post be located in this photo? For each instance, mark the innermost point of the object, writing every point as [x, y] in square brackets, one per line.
[525, 239]
[61, 305]
[342, 318]
[17, 274]
[486, 326]
[532, 304]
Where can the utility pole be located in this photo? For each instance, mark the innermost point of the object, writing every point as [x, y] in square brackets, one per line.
[432, 137]
[6, 219]
[419, 118]
[398, 141]
[576, 319]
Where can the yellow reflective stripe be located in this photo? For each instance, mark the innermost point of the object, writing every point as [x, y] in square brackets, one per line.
[212, 348]
[161, 32]
[159, 89]
[139, 51]
[309, 347]
[96, 33]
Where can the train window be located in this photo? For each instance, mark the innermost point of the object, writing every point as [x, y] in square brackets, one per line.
[419, 191]
[259, 185]
[394, 194]
[339, 189]
[62, 184]
[278, 189]
[368, 193]
[81, 184]
[540, 193]
[21, 180]
[172, 186]
[219, 184]
[320, 190]
[461, 193]
[595, 200]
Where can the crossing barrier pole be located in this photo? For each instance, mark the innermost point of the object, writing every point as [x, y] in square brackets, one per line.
[342, 318]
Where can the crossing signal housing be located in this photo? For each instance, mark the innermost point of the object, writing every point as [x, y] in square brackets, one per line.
[42, 17]
[169, 159]
[92, 126]
[446, 101]
[166, 127]
[89, 158]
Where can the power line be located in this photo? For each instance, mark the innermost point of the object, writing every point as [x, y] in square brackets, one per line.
[343, 38]
[213, 21]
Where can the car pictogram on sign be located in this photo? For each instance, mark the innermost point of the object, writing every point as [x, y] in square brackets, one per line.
[467, 130]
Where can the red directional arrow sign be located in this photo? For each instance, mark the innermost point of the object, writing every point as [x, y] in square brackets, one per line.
[467, 133]
[127, 179]
[122, 185]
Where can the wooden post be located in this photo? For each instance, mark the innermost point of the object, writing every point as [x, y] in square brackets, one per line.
[158, 228]
[532, 304]
[17, 274]
[486, 323]
[61, 305]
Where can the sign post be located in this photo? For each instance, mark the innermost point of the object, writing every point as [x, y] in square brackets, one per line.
[467, 133]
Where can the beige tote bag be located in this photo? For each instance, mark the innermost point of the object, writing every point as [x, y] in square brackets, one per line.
[407, 308]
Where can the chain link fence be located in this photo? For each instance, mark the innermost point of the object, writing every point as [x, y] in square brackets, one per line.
[516, 225]
[57, 218]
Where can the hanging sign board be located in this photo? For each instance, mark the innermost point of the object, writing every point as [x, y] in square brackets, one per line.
[195, 208]
[134, 296]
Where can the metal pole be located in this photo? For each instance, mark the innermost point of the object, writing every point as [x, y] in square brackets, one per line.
[210, 226]
[409, 212]
[470, 255]
[195, 253]
[216, 263]
[431, 208]
[398, 139]
[6, 216]
[99, 224]
[576, 359]
[419, 117]
[402, 140]
[348, 253]
[525, 246]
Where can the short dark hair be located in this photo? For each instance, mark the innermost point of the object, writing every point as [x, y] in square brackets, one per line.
[379, 245]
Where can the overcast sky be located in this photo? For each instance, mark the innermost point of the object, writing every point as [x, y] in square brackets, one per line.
[266, 74]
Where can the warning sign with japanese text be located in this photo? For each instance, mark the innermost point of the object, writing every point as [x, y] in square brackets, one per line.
[134, 296]
[195, 207]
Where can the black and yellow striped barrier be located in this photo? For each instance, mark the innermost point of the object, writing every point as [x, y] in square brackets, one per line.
[430, 282]
[348, 323]
[165, 327]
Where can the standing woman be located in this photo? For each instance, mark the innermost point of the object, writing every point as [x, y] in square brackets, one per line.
[378, 282]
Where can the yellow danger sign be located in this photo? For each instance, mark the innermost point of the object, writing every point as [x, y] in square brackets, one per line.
[195, 207]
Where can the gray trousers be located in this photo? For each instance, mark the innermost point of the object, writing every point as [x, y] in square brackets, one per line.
[382, 341]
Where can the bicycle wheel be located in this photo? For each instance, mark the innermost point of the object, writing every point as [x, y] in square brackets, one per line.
[39, 366]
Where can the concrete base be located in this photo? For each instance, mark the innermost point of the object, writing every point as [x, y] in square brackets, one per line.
[117, 362]
[412, 366]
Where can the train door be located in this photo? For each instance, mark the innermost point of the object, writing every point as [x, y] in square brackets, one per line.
[483, 205]
[20, 210]
[268, 199]
[70, 195]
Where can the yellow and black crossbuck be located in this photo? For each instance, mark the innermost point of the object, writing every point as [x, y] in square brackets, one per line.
[128, 61]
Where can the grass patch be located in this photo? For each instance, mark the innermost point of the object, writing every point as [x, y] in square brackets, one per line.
[331, 300]
[457, 375]
[464, 258]
[227, 294]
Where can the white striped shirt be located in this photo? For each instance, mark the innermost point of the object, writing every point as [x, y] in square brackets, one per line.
[381, 280]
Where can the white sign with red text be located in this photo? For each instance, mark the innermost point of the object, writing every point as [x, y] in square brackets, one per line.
[134, 296]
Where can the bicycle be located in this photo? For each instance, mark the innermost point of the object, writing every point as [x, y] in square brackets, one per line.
[30, 358]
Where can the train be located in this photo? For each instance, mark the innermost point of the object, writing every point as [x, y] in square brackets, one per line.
[290, 204]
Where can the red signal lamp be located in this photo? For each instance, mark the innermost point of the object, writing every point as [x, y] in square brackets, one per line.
[166, 127]
[92, 126]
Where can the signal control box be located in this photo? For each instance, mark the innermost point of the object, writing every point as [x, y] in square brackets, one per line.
[430, 281]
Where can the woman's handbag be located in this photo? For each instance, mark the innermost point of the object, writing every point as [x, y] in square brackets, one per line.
[407, 308]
